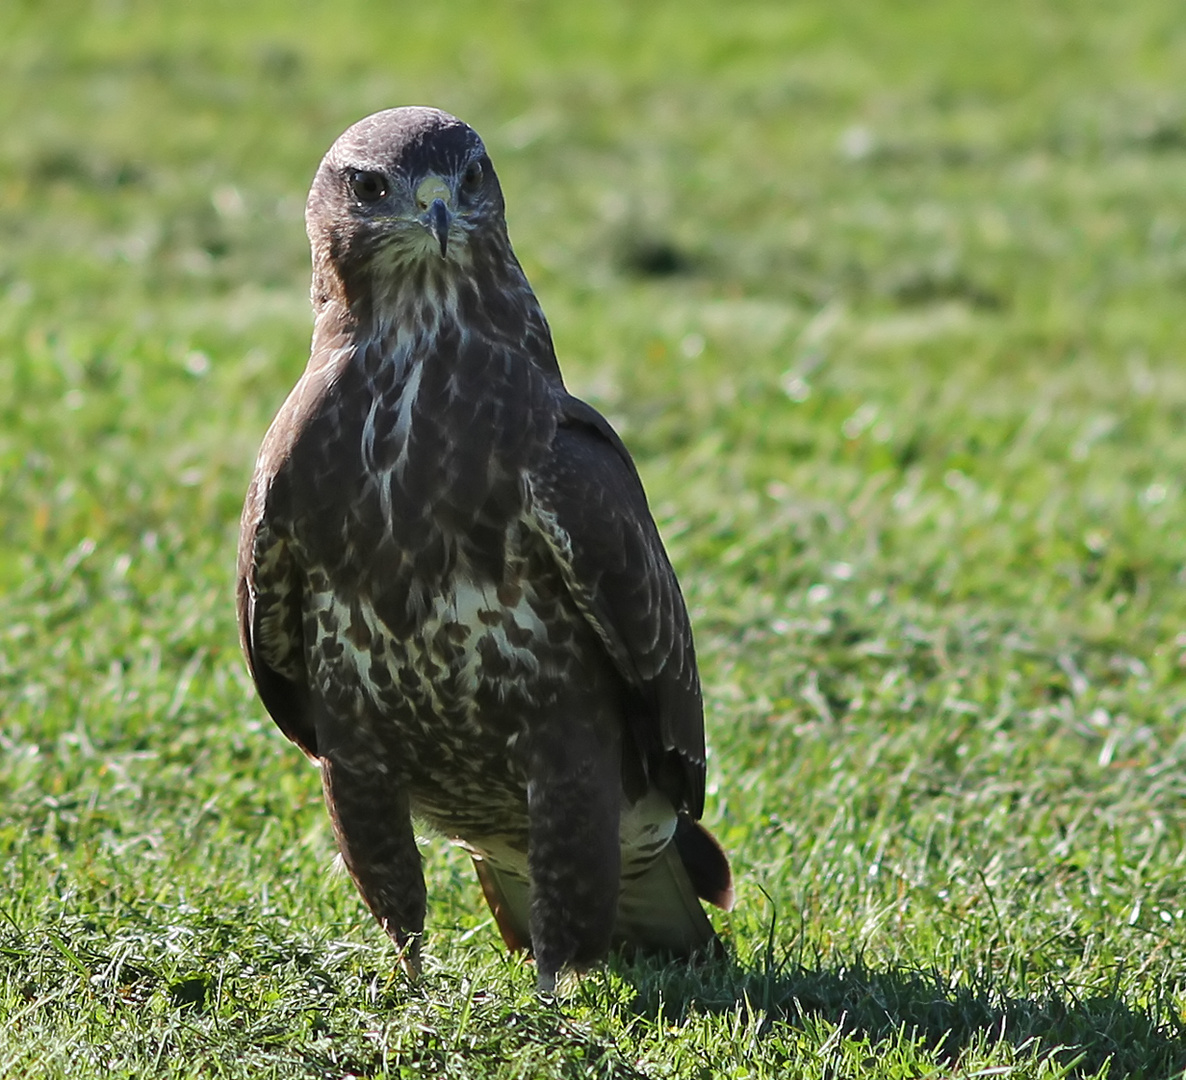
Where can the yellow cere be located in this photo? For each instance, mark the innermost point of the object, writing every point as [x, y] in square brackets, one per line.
[431, 188]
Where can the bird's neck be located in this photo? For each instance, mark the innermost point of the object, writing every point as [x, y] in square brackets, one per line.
[452, 391]
[405, 310]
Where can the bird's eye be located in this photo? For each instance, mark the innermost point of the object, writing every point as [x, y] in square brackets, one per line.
[472, 177]
[368, 187]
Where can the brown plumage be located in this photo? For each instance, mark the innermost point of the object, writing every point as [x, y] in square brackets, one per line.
[451, 592]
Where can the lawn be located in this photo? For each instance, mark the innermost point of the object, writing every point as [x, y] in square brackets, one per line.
[886, 299]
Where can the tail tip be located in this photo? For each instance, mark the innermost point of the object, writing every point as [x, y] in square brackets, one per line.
[706, 863]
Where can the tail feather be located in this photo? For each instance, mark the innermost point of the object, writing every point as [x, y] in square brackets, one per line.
[705, 861]
[659, 902]
[507, 896]
[658, 910]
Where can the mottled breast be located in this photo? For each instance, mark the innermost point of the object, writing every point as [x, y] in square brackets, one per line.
[447, 703]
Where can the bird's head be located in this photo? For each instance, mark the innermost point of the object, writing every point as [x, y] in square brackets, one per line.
[402, 189]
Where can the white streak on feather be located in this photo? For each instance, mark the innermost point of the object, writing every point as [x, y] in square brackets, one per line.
[462, 603]
[545, 524]
[403, 422]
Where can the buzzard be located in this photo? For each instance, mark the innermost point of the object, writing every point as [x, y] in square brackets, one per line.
[452, 594]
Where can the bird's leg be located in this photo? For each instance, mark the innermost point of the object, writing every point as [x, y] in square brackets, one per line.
[573, 805]
[373, 827]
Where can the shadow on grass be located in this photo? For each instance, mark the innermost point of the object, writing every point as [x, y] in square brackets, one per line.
[1081, 1035]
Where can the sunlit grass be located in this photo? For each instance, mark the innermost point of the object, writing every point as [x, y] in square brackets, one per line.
[886, 300]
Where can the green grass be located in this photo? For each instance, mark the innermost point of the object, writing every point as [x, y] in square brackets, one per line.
[886, 299]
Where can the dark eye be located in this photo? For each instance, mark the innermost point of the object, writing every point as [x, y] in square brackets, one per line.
[368, 187]
[471, 179]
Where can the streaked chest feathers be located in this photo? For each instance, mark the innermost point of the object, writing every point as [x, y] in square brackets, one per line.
[453, 622]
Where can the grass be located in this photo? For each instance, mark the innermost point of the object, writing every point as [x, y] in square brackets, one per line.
[886, 299]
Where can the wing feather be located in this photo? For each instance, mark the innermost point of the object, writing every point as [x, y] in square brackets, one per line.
[589, 503]
[271, 585]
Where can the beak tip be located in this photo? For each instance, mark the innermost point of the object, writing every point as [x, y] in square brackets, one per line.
[438, 222]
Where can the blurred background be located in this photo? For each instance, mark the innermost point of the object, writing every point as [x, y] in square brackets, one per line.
[886, 299]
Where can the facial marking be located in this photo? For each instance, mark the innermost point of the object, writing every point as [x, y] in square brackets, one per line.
[431, 188]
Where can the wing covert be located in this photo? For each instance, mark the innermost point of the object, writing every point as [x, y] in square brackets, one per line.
[270, 584]
[590, 504]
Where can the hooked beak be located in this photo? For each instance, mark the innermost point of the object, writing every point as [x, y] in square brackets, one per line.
[437, 221]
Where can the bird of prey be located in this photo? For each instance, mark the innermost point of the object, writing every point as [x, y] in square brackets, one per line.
[452, 594]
